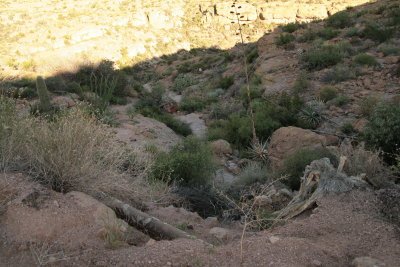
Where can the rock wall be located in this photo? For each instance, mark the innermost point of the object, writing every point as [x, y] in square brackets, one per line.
[59, 34]
[276, 12]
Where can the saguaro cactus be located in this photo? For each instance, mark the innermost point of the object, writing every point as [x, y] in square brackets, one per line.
[43, 93]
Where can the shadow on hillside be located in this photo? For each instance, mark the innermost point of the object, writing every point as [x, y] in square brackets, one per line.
[130, 79]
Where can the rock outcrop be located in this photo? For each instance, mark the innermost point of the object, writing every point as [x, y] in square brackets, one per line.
[287, 140]
[131, 31]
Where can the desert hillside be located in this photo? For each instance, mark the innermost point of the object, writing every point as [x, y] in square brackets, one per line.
[49, 36]
[200, 133]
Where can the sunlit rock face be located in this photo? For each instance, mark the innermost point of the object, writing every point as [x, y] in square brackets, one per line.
[60, 35]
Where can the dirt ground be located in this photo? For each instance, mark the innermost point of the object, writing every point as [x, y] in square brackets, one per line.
[340, 229]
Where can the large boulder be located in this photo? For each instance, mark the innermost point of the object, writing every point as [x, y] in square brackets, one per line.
[287, 140]
[221, 147]
[72, 220]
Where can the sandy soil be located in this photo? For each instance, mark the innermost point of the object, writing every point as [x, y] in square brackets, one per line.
[340, 229]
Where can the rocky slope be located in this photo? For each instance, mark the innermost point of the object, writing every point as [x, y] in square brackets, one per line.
[49, 36]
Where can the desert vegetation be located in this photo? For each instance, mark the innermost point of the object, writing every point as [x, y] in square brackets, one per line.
[242, 137]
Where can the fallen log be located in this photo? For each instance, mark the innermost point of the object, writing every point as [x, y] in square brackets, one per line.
[148, 224]
[320, 179]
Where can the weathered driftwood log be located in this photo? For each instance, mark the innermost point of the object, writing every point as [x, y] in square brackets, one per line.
[320, 179]
[146, 223]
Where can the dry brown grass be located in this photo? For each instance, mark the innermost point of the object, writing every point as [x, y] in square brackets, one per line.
[74, 152]
[6, 193]
[361, 160]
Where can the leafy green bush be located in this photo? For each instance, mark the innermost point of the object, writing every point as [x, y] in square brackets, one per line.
[293, 166]
[168, 119]
[367, 105]
[327, 93]
[328, 33]
[341, 19]
[347, 128]
[251, 54]
[365, 59]
[301, 84]
[149, 106]
[28, 93]
[382, 131]
[192, 104]
[284, 39]
[182, 81]
[224, 109]
[321, 57]
[226, 82]
[267, 117]
[292, 27]
[189, 163]
[388, 49]
[341, 100]
[340, 73]
[352, 32]
[308, 36]
[377, 33]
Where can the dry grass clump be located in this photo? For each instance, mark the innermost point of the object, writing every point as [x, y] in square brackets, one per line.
[6, 193]
[72, 152]
[361, 160]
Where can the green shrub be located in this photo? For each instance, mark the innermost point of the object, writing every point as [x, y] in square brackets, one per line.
[255, 93]
[341, 100]
[189, 163]
[103, 75]
[175, 124]
[185, 67]
[149, 106]
[367, 105]
[226, 82]
[376, 33]
[327, 93]
[293, 166]
[192, 104]
[388, 49]
[382, 131]
[328, 33]
[152, 98]
[284, 39]
[292, 27]
[222, 110]
[182, 81]
[340, 73]
[251, 54]
[352, 32]
[28, 93]
[341, 19]
[308, 36]
[365, 59]
[116, 100]
[252, 173]
[268, 116]
[347, 128]
[322, 57]
[394, 16]
[301, 83]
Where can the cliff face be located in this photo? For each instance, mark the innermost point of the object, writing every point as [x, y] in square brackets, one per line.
[49, 35]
